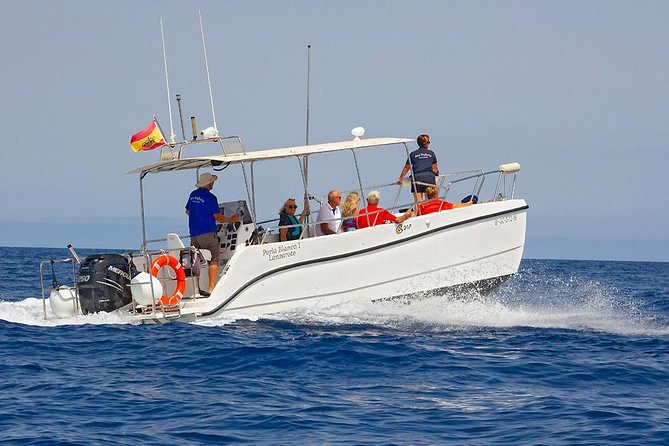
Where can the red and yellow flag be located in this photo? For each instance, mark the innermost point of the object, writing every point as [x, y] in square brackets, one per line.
[147, 139]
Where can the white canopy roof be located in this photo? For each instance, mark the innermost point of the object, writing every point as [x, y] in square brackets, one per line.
[205, 161]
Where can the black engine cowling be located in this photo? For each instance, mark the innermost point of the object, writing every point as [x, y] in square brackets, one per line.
[103, 283]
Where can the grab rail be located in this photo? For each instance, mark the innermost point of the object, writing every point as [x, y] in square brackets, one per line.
[54, 283]
[148, 257]
[479, 175]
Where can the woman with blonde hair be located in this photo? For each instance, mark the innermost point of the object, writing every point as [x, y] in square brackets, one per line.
[349, 210]
[287, 218]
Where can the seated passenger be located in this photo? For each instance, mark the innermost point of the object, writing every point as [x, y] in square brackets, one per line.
[329, 216]
[373, 215]
[434, 204]
[287, 218]
[349, 212]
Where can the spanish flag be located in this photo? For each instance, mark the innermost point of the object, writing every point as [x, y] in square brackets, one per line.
[147, 139]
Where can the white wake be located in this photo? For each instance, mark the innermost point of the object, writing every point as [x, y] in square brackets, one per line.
[570, 305]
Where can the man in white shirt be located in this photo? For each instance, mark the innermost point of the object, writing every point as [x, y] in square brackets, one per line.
[329, 216]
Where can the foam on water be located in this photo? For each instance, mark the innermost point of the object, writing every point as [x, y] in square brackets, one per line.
[30, 311]
[535, 301]
[572, 305]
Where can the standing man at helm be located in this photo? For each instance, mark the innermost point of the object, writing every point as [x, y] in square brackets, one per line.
[203, 213]
[422, 162]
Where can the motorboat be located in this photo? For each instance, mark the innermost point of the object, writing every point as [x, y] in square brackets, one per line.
[474, 247]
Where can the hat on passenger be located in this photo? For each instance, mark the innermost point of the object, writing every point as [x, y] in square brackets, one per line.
[206, 178]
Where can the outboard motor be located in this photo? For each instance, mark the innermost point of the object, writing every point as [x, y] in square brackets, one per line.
[103, 283]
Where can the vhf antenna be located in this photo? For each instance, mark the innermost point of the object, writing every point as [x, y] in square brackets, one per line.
[206, 64]
[167, 82]
[308, 90]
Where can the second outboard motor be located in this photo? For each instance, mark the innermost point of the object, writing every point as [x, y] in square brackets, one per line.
[103, 283]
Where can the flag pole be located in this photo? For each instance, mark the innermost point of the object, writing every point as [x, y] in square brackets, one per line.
[167, 82]
[206, 64]
[160, 129]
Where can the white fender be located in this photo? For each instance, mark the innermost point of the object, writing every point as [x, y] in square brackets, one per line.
[63, 302]
[140, 286]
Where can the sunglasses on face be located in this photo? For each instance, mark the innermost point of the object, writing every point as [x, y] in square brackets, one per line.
[291, 206]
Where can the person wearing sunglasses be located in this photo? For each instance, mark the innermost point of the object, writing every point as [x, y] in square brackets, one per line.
[288, 219]
[423, 163]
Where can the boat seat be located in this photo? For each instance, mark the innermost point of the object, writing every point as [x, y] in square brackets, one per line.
[174, 244]
[206, 254]
[139, 263]
[272, 238]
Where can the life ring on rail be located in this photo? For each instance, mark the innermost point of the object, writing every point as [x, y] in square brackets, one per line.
[167, 260]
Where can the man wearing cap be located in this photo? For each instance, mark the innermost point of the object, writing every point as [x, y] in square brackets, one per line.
[203, 213]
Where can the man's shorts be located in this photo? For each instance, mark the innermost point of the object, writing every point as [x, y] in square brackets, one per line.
[420, 188]
[208, 241]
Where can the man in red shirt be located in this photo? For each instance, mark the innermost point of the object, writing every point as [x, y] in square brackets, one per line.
[373, 215]
[434, 204]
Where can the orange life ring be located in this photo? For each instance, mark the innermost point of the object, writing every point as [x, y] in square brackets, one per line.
[167, 260]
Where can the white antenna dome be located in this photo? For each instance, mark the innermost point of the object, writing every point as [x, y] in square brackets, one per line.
[358, 132]
[209, 132]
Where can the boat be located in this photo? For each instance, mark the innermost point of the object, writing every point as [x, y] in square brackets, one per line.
[474, 247]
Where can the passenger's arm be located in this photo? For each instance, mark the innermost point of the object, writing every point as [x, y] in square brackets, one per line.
[403, 173]
[304, 213]
[326, 229]
[404, 216]
[283, 234]
[435, 168]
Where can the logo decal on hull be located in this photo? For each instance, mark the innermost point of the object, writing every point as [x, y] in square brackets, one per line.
[402, 227]
[281, 252]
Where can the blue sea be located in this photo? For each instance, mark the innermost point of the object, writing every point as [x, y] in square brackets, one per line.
[565, 353]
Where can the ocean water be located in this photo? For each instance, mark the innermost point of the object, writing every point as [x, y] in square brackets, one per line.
[566, 352]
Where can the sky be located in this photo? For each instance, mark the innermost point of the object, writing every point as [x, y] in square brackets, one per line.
[574, 91]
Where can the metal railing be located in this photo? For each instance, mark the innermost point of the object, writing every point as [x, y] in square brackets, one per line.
[54, 282]
[148, 258]
[268, 235]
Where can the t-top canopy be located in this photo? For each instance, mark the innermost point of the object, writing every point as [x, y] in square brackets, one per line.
[262, 155]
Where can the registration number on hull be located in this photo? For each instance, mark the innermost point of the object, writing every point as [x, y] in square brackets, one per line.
[504, 219]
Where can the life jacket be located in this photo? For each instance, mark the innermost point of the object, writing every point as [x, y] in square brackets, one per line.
[434, 206]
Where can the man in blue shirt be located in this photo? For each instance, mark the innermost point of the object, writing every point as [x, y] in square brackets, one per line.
[423, 164]
[203, 213]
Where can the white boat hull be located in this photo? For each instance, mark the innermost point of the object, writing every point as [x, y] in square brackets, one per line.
[470, 245]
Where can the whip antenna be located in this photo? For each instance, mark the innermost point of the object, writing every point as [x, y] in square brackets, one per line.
[306, 158]
[308, 89]
[206, 64]
[167, 82]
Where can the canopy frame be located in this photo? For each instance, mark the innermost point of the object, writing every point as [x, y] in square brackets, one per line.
[300, 153]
